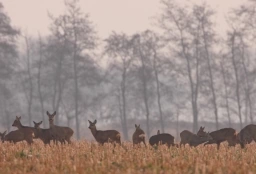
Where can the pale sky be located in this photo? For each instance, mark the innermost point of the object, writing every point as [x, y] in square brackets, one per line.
[127, 16]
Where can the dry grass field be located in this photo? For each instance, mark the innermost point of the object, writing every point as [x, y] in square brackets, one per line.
[85, 157]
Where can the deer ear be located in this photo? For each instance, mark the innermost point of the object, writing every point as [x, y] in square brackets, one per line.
[158, 132]
[54, 113]
[19, 117]
[89, 121]
[95, 121]
[136, 126]
[47, 113]
[139, 126]
[40, 122]
[34, 123]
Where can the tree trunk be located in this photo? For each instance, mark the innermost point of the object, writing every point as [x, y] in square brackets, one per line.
[123, 92]
[247, 89]
[158, 93]
[30, 97]
[226, 93]
[237, 79]
[76, 90]
[211, 79]
[39, 83]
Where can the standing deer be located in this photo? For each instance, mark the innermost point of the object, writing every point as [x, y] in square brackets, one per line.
[138, 136]
[27, 131]
[58, 132]
[187, 137]
[111, 136]
[247, 135]
[219, 136]
[163, 138]
[13, 136]
[43, 134]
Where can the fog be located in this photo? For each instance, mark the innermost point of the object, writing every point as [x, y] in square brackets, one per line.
[167, 65]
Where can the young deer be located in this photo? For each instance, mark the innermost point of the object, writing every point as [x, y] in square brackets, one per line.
[58, 132]
[27, 131]
[193, 139]
[13, 136]
[43, 134]
[138, 136]
[247, 135]
[107, 136]
[163, 138]
[219, 136]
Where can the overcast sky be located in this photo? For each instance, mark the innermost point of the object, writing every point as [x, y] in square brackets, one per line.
[128, 16]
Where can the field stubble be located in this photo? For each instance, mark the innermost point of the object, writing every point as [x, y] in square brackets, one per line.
[86, 157]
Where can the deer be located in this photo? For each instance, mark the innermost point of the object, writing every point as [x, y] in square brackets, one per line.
[163, 138]
[107, 136]
[43, 134]
[28, 132]
[59, 133]
[13, 136]
[138, 136]
[187, 137]
[219, 136]
[247, 135]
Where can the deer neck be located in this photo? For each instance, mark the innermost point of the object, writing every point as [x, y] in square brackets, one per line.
[94, 132]
[20, 126]
[51, 124]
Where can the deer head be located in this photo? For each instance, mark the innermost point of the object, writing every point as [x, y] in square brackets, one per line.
[16, 122]
[201, 132]
[137, 126]
[2, 135]
[51, 117]
[37, 125]
[92, 125]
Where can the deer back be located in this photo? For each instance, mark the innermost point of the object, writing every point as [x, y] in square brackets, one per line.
[107, 136]
[163, 138]
[14, 136]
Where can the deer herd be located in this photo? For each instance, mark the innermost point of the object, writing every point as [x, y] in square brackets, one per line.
[63, 134]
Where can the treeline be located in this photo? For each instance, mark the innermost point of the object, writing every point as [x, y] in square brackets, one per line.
[188, 71]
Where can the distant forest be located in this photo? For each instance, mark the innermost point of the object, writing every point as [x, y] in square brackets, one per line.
[184, 72]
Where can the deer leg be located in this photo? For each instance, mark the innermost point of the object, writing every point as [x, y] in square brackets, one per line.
[144, 143]
[242, 145]
[218, 145]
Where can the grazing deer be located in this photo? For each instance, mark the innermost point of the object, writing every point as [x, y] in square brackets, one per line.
[138, 136]
[219, 136]
[13, 136]
[58, 132]
[247, 135]
[27, 131]
[43, 134]
[163, 138]
[104, 136]
[193, 139]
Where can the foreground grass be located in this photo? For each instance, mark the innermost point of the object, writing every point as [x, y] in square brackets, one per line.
[84, 157]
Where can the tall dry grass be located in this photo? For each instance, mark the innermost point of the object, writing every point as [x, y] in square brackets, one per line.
[85, 157]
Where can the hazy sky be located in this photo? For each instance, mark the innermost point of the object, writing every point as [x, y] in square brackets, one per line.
[128, 16]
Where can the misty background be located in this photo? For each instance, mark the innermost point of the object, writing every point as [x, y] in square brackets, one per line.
[164, 64]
